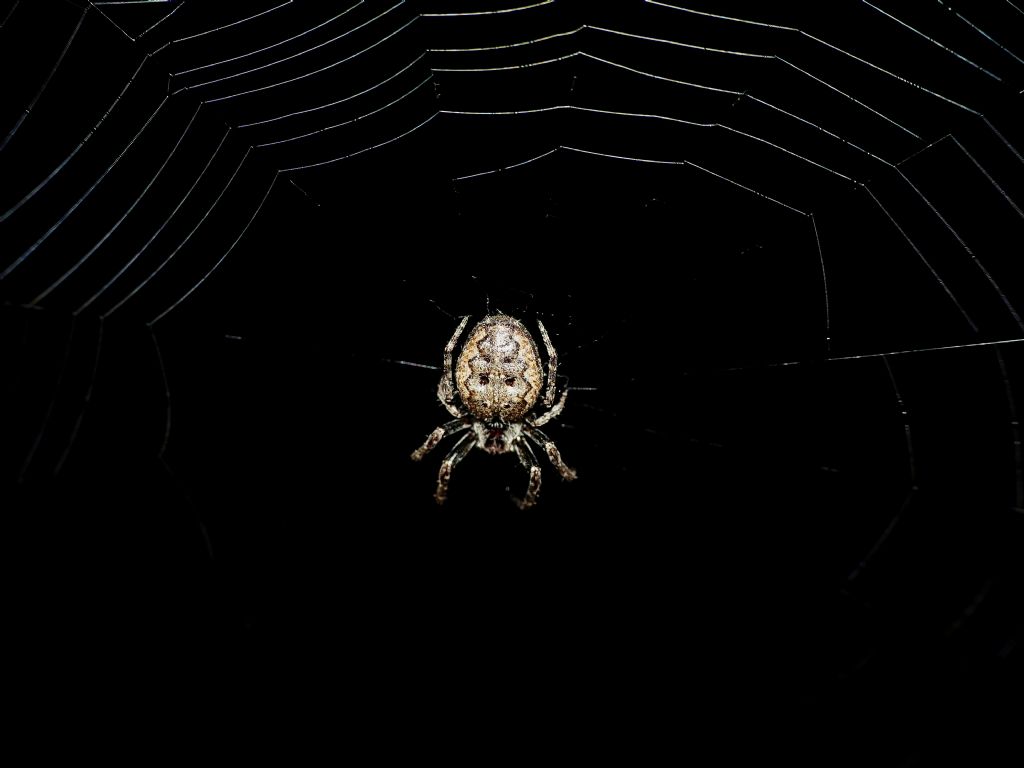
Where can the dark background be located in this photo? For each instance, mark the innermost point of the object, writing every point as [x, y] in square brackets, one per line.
[794, 504]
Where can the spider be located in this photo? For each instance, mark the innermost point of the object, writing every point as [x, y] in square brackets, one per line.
[499, 378]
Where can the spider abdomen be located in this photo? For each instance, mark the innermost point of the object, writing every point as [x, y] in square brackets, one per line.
[498, 373]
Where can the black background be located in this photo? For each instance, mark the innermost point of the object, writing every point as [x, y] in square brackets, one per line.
[759, 533]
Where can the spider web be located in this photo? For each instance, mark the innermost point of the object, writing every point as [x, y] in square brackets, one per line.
[777, 248]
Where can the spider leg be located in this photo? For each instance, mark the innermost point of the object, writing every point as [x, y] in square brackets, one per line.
[455, 455]
[549, 393]
[446, 387]
[438, 435]
[551, 450]
[544, 418]
[529, 460]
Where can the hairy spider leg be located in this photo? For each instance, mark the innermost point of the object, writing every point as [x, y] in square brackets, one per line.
[551, 450]
[549, 392]
[446, 387]
[544, 418]
[529, 460]
[455, 455]
[438, 435]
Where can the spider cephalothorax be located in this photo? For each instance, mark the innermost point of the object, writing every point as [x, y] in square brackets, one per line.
[498, 379]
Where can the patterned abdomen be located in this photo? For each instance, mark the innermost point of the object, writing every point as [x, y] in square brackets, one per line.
[498, 373]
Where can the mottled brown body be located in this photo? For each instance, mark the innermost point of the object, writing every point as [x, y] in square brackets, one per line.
[499, 374]
[498, 377]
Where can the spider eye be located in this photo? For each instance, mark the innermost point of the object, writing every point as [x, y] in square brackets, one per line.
[484, 379]
[510, 381]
